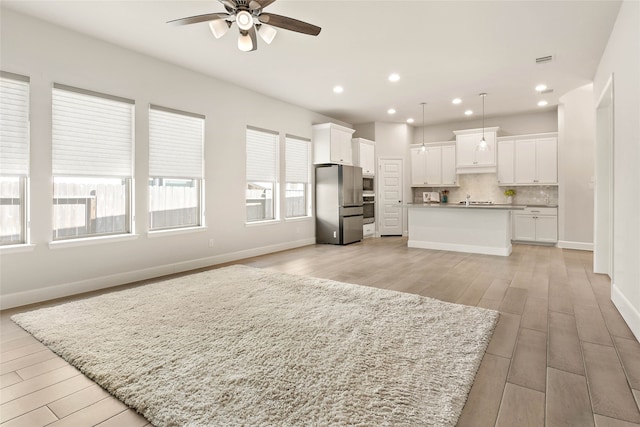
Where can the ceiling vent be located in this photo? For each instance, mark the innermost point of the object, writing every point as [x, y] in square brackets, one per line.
[547, 91]
[544, 59]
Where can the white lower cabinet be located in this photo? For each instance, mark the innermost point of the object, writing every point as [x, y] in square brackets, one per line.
[368, 230]
[535, 224]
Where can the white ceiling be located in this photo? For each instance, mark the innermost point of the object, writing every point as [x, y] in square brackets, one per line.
[441, 50]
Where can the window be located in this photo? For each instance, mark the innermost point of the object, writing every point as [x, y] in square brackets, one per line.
[14, 158]
[297, 160]
[176, 141]
[262, 172]
[92, 163]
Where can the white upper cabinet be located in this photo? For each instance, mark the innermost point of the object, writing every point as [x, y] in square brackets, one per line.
[469, 158]
[525, 161]
[436, 166]
[547, 161]
[364, 155]
[528, 160]
[332, 144]
[449, 175]
[506, 162]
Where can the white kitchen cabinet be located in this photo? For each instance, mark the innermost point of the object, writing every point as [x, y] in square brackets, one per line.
[528, 160]
[436, 166]
[547, 161]
[364, 155]
[469, 159]
[449, 175]
[506, 162]
[332, 144]
[535, 224]
[418, 167]
[368, 230]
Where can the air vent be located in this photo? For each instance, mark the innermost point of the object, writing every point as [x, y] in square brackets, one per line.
[544, 59]
[547, 91]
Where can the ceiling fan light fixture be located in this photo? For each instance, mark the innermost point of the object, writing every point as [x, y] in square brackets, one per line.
[245, 43]
[219, 27]
[244, 20]
[267, 32]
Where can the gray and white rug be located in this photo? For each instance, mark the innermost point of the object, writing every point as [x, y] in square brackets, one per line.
[246, 346]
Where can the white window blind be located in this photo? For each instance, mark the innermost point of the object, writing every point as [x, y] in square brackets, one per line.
[297, 160]
[14, 125]
[262, 154]
[92, 133]
[176, 142]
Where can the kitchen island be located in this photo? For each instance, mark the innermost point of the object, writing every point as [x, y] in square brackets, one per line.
[479, 229]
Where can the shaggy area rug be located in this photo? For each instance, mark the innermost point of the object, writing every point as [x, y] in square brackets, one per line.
[246, 346]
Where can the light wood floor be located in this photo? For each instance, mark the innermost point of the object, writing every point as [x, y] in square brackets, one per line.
[561, 355]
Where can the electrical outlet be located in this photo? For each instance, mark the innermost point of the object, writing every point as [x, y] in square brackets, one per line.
[210, 243]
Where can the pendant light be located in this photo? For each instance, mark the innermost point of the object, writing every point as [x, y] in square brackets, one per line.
[424, 147]
[483, 145]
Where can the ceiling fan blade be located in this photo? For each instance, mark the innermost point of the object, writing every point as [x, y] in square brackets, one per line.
[254, 38]
[261, 4]
[198, 18]
[289, 24]
[229, 4]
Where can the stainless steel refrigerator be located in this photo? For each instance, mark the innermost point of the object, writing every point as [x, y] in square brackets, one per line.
[338, 204]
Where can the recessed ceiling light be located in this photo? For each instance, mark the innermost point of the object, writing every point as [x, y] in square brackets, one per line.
[542, 103]
[410, 120]
[391, 111]
[541, 87]
[394, 77]
[457, 101]
[338, 89]
[468, 113]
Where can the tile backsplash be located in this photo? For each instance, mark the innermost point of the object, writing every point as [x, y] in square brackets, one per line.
[484, 187]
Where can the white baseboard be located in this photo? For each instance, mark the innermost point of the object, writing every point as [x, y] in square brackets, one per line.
[18, 299]
[454, 247]
[629, 313]
[581, 246]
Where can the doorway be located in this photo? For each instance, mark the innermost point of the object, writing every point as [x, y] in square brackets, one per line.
[390, 187]
[604, 197]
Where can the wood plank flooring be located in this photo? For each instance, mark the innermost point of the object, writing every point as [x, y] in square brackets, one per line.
[561, 355]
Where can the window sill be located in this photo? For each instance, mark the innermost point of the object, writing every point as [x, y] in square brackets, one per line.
[265, 222]
[14, 249]
[299, 219]
[85, 241]
[175, 231]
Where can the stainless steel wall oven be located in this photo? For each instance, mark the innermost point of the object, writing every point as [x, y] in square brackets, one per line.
[368, 208]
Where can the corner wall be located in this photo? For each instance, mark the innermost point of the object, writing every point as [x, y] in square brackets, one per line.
[621, 59]
[576, 146]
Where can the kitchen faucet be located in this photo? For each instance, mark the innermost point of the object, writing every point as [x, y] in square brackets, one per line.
[467, 202]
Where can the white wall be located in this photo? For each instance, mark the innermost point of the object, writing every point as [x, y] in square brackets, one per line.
[576, 146]
[51, 54]
[622, 59]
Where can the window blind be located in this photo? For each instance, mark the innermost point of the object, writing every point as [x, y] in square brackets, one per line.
[297, 160]
[92, 133]
[14, 125]
[176, 141]
[262, 153]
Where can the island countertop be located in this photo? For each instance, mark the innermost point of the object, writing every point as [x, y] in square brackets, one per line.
[463, 206]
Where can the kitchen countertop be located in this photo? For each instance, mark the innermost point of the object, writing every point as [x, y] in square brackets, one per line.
[495, 206]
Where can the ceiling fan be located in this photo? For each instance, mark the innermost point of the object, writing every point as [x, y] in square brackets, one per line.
[250, 17]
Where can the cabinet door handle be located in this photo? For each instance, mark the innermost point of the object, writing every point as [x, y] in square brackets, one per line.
[535, 211]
